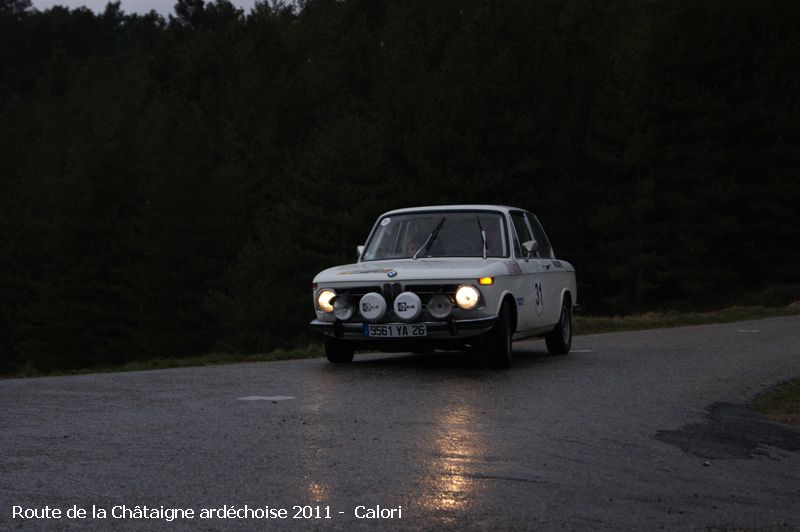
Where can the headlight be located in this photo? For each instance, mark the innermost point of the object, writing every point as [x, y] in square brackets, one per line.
[439, 306]
[467, 297]
[342, 309]
[324, 300]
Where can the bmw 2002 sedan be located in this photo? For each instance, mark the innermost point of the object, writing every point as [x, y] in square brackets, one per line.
[448, 277]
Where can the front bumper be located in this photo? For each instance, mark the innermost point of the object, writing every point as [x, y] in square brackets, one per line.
[437, 330]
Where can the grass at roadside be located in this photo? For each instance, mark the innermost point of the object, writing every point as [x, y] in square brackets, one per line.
[582, 325]
[210, 359]
[782, 403]
[658, 320]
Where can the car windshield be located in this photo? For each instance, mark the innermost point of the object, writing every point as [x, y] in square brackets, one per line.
[459, 234]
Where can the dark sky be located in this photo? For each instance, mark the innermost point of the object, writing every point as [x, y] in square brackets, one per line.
[164, 7]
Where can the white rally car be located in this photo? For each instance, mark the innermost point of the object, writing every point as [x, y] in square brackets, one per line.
[448, 277]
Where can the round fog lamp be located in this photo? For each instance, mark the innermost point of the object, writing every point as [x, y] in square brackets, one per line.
[407, 306]
[324, 300]
[342, 309]
[372, 306]
[467, 297]
[440, 306]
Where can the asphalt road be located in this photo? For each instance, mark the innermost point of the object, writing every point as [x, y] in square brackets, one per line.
[641, 430]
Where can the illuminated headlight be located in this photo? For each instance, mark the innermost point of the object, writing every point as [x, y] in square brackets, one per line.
[440, 306]
[467, 297]
[342, 308]
[324, 300]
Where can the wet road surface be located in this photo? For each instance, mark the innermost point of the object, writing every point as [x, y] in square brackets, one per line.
[639, 430]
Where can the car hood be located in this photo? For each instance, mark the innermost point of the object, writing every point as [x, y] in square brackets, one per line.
[413, 270]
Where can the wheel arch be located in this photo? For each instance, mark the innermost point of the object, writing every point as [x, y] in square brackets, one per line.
[512, 304]
[566, 294]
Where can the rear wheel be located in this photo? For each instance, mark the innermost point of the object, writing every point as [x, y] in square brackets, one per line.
[559, 340]
[498, 340]
[338, 351]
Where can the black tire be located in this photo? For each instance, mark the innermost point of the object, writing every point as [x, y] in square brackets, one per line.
[338, 351]
[559, 340]
[498, 340]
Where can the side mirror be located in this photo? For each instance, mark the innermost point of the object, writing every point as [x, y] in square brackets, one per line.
[359, 251]
[531, 247]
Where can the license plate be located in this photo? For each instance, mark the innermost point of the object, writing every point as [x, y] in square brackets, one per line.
[395, 330]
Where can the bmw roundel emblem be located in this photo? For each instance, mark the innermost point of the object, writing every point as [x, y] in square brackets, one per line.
[392, 273]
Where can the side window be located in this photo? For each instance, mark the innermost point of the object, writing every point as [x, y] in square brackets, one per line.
[521, 233]
[545, 251]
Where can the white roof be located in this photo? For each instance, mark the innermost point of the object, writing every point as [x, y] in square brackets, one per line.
[503, 208]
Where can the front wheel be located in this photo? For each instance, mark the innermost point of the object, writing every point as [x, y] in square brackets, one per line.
[338, 351]
[559, 340]
[498, 340]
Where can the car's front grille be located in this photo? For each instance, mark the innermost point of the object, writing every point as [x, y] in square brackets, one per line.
[390, 291]
[427, 291]
[358, 291]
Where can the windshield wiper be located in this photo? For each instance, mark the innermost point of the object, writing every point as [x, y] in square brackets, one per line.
[483, 233]
[431, 237]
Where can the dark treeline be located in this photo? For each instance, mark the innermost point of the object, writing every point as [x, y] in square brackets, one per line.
[170, 187]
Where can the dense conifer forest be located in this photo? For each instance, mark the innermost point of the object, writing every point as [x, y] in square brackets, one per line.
[169, 187]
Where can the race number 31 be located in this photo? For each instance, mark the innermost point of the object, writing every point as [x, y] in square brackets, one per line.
[538, 296]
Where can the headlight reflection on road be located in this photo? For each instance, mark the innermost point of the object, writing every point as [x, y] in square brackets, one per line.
[451, 486]
[316, 456]
[318, 492]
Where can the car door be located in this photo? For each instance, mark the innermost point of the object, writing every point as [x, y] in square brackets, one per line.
[551, 272]
[531, 291]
